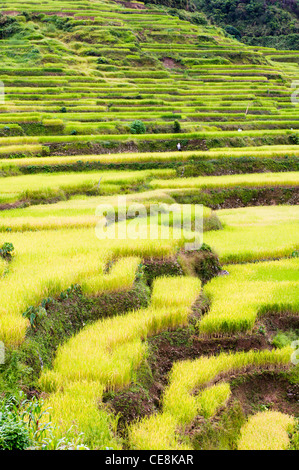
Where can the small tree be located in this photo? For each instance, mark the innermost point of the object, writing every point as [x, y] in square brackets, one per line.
[137, 127]
[176, 126]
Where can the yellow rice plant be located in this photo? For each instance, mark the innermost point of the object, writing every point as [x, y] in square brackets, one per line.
[109, 351]
[266, 430]
[121, 276]
[76, 410]
[158, 432]
[187, 375]
[182, 405]
[248, 180]
[248, 291]
[225, 152]
[254, 233]
[48, 184]
[174, 292]
[3, 266]
[29, 149]
[46, 263]
[24, 224]
[212, 398]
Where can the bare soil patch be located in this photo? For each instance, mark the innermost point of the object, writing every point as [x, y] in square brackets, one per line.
[136, 6]
[171, 63]
[269, 390]
[143, 400]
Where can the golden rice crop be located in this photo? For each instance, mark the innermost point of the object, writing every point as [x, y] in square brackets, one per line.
[248, 291]
[248, 180]
[181, 405]
[254, 233]
[76, 255]
[76, 410]
[3, 266]
[266, 430]
[109, 351]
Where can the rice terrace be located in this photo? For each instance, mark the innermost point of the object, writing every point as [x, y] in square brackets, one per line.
[149, 225]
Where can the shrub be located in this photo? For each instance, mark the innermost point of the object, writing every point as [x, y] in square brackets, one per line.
[294, 139]
[283, 339]
[26, 424]
[155, 267]
[233, 32]
[9, 26]
[176, 126]
[13, 433]
[102, 60]
[6, 250]
[137, 127]
[203, 263]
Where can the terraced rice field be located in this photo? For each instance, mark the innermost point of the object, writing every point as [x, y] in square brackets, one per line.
[136, 343]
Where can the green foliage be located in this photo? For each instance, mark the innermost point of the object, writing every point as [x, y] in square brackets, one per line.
[294, 139]
[254, 20]
[174, 4]
[203, 263]
[34, 315]
[102, 60]
[137, 127]
[6, 250]
[233, 32]
[283, 42]
[284, 338]
[26, 424]
[176, 126]
[21, 422]
[9, 26]
[14, 435]
[153, 268]
[62, 23]
[222, 434]
[196, 17]
[294, 437]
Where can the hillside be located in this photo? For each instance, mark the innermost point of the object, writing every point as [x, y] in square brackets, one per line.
[134, 340]
[270, 23]
[71, 79]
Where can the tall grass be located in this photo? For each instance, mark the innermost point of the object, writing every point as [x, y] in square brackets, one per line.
[75, 410]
